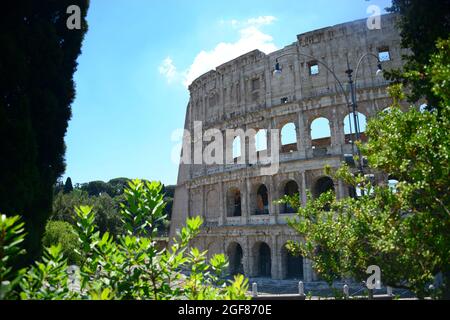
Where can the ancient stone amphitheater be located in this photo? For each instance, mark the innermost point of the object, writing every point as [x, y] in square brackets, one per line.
[305, 103]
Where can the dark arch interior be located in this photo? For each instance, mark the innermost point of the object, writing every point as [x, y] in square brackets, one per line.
[235, 255]
[264, 261]
[234, 201]
[323, 185]
[262, 200]
[294, 266]
[290, 189]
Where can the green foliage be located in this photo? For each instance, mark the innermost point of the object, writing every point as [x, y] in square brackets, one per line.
[422, 23]
[106, 209]
[47, 280]
[63, 234]
[106, 199]
[143, 208]
[11, 237]
[405, 232]
[131, 266]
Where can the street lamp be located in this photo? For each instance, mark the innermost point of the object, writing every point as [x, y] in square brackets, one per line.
[352, 85]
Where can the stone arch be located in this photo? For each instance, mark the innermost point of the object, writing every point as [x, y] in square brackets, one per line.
[234, 202]
[235, 257]
[262, 259]
[288, 138]
[320, 133]
[261, 200]
[292, 265]
[237, 145]
[322, 185]
[349, 127]
[289, 188]
[212, 205]
[392, 183]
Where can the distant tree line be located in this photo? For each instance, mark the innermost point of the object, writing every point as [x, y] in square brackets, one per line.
[105, 199]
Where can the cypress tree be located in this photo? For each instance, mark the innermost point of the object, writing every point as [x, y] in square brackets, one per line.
[38, 54]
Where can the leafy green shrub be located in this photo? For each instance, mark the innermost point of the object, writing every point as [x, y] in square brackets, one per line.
[130, 266]
[12, 234]
[62, 233]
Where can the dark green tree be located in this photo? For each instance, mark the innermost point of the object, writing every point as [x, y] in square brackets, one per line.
[68, 187]
[37, 63]
[96, 188]
[422, 23]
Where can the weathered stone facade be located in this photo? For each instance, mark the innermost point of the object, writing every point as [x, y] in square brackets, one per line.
[236, 201]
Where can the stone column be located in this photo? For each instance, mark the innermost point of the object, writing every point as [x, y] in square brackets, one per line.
[204, 209]
[337, 130]
[298, 80]
[307, 270]
[268, 74]
[272, 198]
[303, 194]
[204, 107]
[341, 190]
[241, 93]
[271, 124]
[189, 213]
[248, 260]
[276, 260]
[222, 205]
[303, 136]
[247, 194]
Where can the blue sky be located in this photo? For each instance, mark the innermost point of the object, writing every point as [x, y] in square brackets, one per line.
[138, 57]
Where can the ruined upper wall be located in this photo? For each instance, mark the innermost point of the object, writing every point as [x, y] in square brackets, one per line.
[247, 83]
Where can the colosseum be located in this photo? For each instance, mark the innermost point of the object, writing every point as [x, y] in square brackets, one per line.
[299, 97]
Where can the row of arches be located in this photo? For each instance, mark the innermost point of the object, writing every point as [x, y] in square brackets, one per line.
[260, 197]
[261, 263]
[320, 131]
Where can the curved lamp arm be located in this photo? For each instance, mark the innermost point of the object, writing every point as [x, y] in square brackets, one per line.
[361, 60]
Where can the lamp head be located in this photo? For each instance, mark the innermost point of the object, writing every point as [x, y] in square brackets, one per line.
[380, 70]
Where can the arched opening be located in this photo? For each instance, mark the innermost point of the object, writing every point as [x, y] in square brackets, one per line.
[288, 138]
[320, 136]
[235, 255]
[237, 148]
[392, 183]
[293, 265]
[234, 203]
[261, 140]
[349, 127]
[323, 185]
[290, 189]
[262, 200]
[263, 260]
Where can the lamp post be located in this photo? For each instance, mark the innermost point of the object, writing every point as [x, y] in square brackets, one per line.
[353, 87]
[352, 102]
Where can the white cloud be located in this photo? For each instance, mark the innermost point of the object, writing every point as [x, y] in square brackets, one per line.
[257, 22]
[250, 38]
[168, 70]
[263, 20]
